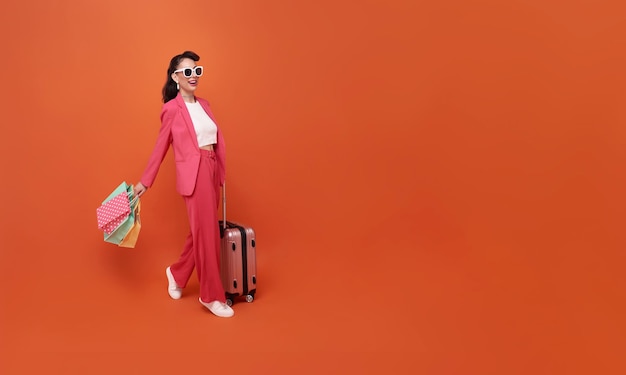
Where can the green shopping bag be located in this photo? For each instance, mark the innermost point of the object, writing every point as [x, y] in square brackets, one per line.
[124, 187]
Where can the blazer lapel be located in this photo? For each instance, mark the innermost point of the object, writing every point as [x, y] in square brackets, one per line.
[187, 118]
[207, 110]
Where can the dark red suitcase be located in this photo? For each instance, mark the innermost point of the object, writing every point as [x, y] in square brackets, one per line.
[237, 258]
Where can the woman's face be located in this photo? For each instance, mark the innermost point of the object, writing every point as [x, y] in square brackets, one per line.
[187, 84]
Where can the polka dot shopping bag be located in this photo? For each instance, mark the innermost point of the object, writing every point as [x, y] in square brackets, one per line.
[113, 213]
[118, 216]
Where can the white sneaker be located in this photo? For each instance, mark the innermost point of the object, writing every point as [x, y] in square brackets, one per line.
[173, 289]
[218, 308]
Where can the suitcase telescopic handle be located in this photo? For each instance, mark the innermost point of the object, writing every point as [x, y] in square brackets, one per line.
[224, 205]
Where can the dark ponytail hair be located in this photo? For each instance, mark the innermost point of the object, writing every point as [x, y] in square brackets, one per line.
[169, 89]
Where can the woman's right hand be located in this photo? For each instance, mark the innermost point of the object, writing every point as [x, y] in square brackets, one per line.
[139, 189]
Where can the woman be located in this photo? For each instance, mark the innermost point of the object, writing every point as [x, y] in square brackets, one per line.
[188, 125]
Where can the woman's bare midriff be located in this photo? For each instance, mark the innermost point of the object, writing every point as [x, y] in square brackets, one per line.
[207, 147]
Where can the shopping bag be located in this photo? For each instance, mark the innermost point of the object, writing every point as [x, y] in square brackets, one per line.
[112, 213]
[123, 187]
[124, 228]
[115, 208]
[122, 224]
[131, 237]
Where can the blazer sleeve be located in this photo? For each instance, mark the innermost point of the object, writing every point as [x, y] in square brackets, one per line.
[160, 149]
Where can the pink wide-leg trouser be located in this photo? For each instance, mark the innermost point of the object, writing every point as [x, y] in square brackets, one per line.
[202, 247]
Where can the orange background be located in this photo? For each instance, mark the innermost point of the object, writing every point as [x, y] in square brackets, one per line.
[437, 187]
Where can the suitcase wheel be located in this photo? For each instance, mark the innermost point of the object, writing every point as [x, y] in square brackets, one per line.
[229, 301]
[249, 298]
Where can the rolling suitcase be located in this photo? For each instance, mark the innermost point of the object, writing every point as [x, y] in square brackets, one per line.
[237, 258]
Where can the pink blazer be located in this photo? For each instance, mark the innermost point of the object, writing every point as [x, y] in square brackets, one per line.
[177, 130]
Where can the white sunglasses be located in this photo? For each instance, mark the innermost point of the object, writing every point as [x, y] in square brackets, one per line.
[187, 72]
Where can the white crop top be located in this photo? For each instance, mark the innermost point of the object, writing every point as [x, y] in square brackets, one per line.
[206, 130]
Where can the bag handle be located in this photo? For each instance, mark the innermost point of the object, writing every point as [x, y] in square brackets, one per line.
[134, 201]
[133, 198]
